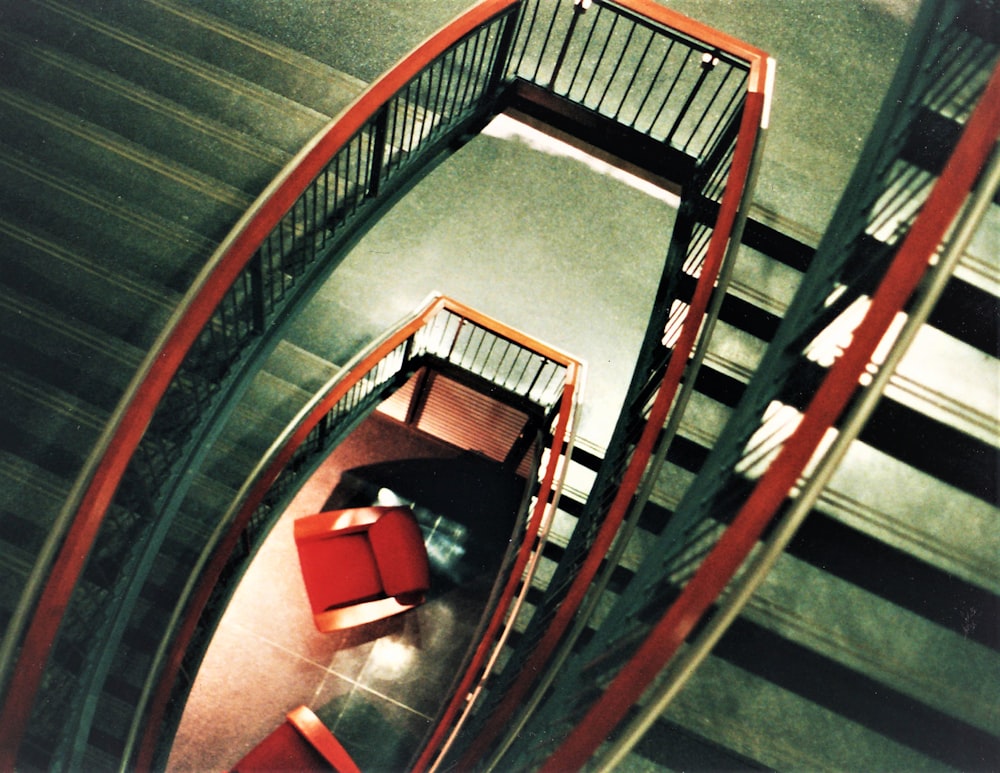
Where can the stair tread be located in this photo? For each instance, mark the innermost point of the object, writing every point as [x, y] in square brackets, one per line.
[64, 351]
[782, 729]
[867, 634]
[251, 56]
[128, 238]
[203, 87]
[141, 116]
[916, 513]
[161, 184]
[300, 366]
[111, 300]
[56, 420]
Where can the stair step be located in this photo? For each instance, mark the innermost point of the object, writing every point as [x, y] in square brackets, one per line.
[30, 499]
[112, 301]
[980, 264]
[916, 513]
[744, 307]
[264, 411]
[767, 722]
[63, 351]
[140, 116]
[763, 281]
[912, 413]
[45, 425]
[924, 381]
[200, 512]
[253, 57]
[94, 221]
[288, 380]
[27, 489]
[300, 367]
[203, 88]
[130, 171]
[969, 313]
[867, 635]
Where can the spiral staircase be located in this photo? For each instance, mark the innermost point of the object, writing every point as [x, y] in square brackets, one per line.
[133, 137]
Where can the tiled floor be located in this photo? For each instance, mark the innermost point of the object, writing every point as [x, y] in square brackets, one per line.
[378, 687]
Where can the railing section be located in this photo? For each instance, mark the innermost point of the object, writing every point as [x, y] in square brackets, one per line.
[289, 240]
[444, 331]
[883, 238]
[630, 61]
[635, 62]
[680, 84]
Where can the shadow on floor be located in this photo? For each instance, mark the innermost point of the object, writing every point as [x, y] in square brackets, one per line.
[378, 687]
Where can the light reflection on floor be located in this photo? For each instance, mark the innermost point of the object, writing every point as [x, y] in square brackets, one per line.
[377, 687]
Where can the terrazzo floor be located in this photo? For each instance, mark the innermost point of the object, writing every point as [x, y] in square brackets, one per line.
[377, 687]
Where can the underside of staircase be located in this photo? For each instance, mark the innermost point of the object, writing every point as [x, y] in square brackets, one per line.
[133, 135]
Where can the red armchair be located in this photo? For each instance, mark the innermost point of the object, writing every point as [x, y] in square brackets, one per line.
[300, 743]
[361, 565]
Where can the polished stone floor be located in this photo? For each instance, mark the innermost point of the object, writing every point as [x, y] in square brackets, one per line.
[377, 687]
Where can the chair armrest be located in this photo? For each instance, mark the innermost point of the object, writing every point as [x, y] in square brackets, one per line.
[321, 739]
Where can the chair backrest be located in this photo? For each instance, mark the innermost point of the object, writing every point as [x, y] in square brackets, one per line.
[400, 554]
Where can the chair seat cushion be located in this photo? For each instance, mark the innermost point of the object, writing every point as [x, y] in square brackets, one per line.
[339, 570]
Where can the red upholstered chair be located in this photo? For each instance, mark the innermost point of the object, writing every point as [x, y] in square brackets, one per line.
[361, 565]
[300, 743]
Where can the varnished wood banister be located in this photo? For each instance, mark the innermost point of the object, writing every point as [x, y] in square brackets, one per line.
[260, 481]
[32, 630]
[908, 267]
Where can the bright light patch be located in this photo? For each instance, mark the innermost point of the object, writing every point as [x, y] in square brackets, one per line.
[391, 658]
[506, 128]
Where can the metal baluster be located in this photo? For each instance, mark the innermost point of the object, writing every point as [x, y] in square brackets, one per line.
[708, 63]
[580, 7]
[378, 151]
[257, 292]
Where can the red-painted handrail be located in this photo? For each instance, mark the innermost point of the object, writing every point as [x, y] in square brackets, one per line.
[978, 140]
[757, 58]
[753, 120]
[279, 459]
[488, 640]
[107, 465]
[644, 448]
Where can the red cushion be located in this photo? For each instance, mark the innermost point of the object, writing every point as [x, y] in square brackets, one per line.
[338, 570]
[301, 743]
[400, 553]
[284, 749]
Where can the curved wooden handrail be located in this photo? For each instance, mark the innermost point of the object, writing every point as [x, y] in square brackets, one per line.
[263, 477]
[732, 200]
[784, 528]
[23, 659]
[488, 641]
[60, 563]
[835, 392]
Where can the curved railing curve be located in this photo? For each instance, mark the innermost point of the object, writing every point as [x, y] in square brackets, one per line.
[368, 126]
[712, 110]
[441, 330]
